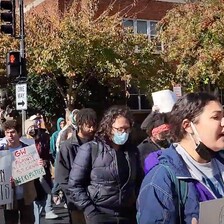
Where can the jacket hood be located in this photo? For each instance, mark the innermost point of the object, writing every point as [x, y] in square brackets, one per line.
[168, 157]
[60, 119]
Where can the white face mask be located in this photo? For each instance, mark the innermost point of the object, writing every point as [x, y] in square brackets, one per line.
[203, 151]
[196, 134]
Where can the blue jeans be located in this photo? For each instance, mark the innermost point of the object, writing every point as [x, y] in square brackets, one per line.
[47, 189]
[48, 203]
[38, 208]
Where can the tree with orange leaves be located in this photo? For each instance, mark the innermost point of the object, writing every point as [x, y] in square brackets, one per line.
[193, 37]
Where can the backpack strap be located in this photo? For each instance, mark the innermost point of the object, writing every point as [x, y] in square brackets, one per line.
[181, 189]
[94, 151]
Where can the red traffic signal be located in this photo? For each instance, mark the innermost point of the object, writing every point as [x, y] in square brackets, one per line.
[13, 61]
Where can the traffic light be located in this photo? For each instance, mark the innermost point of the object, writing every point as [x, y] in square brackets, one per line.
[8, 18]
[13, 61]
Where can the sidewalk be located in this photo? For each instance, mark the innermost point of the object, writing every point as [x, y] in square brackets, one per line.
[61, 212]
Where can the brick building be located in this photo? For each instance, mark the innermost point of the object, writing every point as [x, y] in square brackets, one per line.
[142, 15]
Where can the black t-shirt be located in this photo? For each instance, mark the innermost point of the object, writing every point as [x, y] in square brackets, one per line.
[123, 169]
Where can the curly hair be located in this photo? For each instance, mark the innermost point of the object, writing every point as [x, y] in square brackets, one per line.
[11, 124]
[190, 106]
[105, 126]
[86, 116]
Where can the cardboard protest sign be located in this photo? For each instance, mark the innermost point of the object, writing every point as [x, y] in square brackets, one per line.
[5, 175]
[212, 212]
[27, 141]
[164, 100]
[25, 165]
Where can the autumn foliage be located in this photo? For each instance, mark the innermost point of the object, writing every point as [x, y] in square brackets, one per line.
[193, 37]
[81, 46]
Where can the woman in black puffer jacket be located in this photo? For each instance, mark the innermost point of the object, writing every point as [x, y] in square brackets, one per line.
[106, 173]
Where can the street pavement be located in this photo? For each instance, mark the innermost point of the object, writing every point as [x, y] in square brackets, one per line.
[61, 212]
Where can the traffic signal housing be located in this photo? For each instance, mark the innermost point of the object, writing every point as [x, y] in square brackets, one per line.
[13, 60]
[8, 17]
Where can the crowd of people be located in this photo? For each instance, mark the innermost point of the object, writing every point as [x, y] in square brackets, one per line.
[105, 178]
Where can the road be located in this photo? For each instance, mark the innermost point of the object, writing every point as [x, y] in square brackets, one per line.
[63, 216]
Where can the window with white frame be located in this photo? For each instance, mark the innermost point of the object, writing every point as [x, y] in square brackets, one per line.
[140, 26]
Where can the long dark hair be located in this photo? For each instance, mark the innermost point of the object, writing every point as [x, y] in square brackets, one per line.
[105, 126]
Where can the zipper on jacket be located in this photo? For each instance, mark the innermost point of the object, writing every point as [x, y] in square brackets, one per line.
[129, 166]
[117, 177]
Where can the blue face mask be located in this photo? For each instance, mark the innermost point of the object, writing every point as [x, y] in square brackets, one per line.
[120, 139]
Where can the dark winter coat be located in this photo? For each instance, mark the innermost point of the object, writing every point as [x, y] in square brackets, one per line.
[63, 166]
[146, 147]
[94, 181]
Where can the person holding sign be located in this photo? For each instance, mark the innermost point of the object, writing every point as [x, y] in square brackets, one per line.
[24, 194]
[191, 170]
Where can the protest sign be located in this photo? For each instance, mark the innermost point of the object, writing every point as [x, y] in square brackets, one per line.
[27, 141]
[5, 175]
[164, 100]
[25, 165]
[212, 212]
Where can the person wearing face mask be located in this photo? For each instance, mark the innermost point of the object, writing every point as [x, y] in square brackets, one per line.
[106, 173]
[35, 128]
[158, 131]
[195, 159]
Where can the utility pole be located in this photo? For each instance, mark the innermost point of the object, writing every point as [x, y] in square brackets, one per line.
[16, 60]
[23, 72]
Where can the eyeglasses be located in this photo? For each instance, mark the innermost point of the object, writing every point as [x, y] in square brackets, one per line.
[122, 130]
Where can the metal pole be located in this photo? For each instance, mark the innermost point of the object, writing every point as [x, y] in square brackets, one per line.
[22, 54]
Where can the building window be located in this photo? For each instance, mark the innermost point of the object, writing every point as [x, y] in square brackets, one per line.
[137, 100]
[142, 27]
[147, 27]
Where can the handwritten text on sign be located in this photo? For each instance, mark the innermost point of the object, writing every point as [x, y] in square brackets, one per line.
[5, 174]
[25, 165]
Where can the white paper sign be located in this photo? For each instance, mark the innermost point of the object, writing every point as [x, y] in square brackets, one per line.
[177, 90]
[164, 100]
[5, 175]
[212, 212]
[25, 165]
